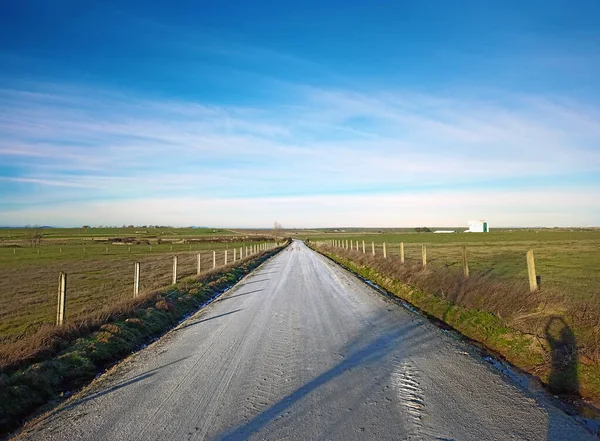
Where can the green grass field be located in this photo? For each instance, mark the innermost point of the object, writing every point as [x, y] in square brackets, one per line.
[9, 234]
[100, 272]
[568, 261]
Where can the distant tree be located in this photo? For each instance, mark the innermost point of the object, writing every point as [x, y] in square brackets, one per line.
[277, 229]
[423, 230]
[34, 236]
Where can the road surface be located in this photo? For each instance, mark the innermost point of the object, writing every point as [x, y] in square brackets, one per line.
[303, 350]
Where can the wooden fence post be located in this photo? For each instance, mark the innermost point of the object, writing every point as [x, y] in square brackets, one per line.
[384, 251]
[424, 254]
[533, 285]
[465, 262]
[198, 265]
[214, 259]
[241, 255]
[226, 257]
[62, 299]
[363, 247]
[401, 252]
[373, 248]
[234, 254]
[174, 270]
[136, 280]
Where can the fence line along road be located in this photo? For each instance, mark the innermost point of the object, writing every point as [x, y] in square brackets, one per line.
[291, 354]
[62, 282]
[534, 279]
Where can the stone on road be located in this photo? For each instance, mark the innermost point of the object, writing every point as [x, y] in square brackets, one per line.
[303, 350]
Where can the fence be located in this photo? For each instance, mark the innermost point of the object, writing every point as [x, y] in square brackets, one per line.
[385, 249]
[96, 280]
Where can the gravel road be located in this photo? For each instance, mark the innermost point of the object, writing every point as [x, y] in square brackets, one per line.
[303, 350]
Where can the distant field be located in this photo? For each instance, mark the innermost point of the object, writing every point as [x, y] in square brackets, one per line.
[100, 272]
[167, 233]
[568, 261]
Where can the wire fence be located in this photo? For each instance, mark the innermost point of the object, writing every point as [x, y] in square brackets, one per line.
[503, 261]
[98, 276]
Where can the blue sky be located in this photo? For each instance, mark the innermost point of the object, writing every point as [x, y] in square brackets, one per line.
[309, 113]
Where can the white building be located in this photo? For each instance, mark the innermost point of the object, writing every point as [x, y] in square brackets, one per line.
[479, 226]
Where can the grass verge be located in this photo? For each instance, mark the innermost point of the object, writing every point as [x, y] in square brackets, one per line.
[534, 331]
[74, 355]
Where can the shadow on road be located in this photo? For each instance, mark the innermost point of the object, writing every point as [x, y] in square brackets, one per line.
[222, 299]
[117, 386]
[197, 322]
[255, 281]
[373, 352]
[563, 378]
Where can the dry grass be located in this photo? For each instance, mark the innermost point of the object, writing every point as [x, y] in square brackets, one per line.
[47, 338]
[28, 287]
[100, 288]
[567, 261]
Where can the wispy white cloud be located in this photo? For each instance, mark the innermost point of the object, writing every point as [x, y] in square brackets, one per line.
[439, 208]
[56, 140]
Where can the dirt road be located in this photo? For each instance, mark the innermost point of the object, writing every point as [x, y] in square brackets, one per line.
[302, 350]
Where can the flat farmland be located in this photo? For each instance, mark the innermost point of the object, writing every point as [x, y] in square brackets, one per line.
[567, 261]
[100, 268]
